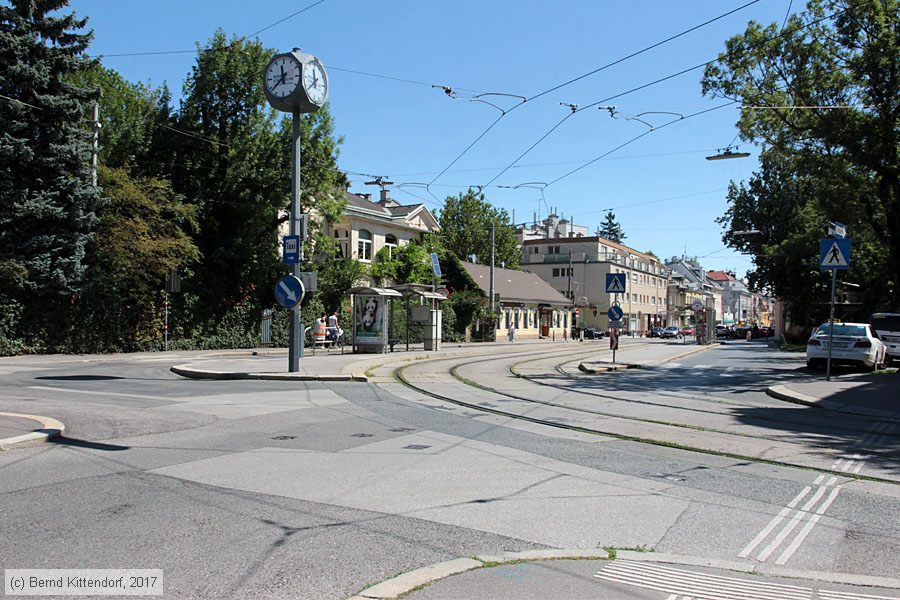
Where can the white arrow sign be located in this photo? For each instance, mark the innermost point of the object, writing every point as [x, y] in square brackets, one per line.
[288, 292]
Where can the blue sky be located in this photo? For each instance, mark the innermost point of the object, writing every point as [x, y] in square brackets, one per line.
[663, 191]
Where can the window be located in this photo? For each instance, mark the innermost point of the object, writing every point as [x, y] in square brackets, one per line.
[552, 249]
[390, 242]
[364, 246]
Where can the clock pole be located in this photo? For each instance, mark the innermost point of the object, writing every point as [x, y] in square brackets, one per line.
[295, 336]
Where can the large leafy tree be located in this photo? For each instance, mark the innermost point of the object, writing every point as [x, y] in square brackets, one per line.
[611, 229]
[831, 87]
[232, 159]
[466, 221]
[48, 202]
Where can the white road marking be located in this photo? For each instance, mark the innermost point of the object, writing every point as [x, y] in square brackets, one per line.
[839, 595]
[773, 523]
[697, 585]
[116, 394]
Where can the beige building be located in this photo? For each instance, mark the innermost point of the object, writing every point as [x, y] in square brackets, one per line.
[577, 267]
[366, 226]
[528, 303]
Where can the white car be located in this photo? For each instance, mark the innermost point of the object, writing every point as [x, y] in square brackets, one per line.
[854, 343]
[887, 326]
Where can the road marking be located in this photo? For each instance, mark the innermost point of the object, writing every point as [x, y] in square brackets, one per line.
[691, 584]
[837, 595]
[116, 394]
[773, 523]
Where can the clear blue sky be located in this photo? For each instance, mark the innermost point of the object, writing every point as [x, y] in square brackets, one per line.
[663, 191]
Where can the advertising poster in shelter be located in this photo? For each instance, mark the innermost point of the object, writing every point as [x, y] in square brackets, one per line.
[369, 319]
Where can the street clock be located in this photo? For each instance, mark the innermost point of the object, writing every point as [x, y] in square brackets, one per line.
[295, 81]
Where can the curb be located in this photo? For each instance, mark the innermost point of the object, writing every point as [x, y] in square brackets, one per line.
[624, 366]
[783, 392]
[410, 581]
[186, 371]
[50, 429]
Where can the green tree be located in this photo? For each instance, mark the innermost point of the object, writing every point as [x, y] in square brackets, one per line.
[143, 232]
[611, 229]
[466, 221]
[836, 54]
[47, 212]
[129, 114]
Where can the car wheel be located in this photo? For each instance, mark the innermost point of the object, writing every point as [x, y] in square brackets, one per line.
[812, 364]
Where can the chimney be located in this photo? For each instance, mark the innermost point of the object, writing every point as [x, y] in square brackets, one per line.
[386, 199]
[366, 197]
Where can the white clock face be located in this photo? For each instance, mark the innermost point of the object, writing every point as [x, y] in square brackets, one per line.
[315, 82]
[282, 76]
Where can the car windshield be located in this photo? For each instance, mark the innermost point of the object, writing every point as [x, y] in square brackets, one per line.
[842, 329]
[886, 322]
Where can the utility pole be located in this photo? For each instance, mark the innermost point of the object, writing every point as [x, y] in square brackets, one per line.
[491, 280]
[295, 334]
[95, 124]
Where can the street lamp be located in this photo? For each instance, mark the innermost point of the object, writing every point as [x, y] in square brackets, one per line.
[726, 153]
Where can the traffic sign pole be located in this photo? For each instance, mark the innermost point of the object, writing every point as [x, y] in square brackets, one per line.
[831, 326]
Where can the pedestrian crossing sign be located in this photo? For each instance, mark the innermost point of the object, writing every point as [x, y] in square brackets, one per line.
[615, 283]
[834, 253]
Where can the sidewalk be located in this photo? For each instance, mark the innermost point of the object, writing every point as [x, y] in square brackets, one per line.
[20, 431]
[876, 395]
[331, 364]
[581, 573]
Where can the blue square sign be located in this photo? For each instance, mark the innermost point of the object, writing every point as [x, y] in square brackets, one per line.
[291, 254]
[615, 283]
[834, 253]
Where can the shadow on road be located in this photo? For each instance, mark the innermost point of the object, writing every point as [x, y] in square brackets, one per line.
[76, 443]
[79, 377]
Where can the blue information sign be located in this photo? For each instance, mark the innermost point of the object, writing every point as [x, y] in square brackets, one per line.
[835, 253]
[289, 291]
[291, 249]
[615, 313]
[615, 283]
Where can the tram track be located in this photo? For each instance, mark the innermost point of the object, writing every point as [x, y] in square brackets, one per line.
[400, 375]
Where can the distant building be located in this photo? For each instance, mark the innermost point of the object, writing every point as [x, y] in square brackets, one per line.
[689, 284]
[550, 228]
[530, 304]
[577, 267]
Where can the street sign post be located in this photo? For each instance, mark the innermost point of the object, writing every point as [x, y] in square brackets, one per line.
[614, 342]
[834, 254]
[291, 254]
[289, 291]
[697, 305]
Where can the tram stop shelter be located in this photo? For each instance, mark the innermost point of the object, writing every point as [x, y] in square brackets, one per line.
[373, 327]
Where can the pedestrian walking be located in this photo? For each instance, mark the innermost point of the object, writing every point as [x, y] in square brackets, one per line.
[511, 332]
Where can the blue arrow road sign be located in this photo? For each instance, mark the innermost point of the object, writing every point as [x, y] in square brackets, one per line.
[291, 254]
[835, 253]
[615, 313]
[289, 291]
[615, 283]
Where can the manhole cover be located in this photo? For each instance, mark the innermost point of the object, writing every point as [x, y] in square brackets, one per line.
[361, 435]
[284, 437]
[415, 447]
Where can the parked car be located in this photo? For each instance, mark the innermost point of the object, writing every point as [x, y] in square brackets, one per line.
[724, 331]
[887, 326]
[854, 343]
[656, 332]
[686, 331]
[670, 332]
[590, 333]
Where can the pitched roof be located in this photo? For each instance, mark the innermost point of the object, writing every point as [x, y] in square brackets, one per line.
[516, 286]
[719, 276]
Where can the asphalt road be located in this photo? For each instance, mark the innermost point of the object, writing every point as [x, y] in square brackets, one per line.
[266, 489]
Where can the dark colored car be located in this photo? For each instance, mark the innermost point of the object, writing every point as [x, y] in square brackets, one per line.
[724, 331]
[590, 333]
[656, 332]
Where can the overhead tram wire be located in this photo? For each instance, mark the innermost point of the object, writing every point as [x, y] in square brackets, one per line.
[601, 103]
[229, 47]
[588, 74]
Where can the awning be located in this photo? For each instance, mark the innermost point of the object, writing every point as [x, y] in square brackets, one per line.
[374, 291]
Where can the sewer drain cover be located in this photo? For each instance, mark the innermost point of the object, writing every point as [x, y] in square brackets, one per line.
[668, 476]
[361, 435]
[401, 429]
[415, 447]
[284, 437]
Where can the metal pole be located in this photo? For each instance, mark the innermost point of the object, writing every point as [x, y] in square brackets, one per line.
[295, 336]
[95, 143]
[491, 282]
[166, 326]
[831, 326]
